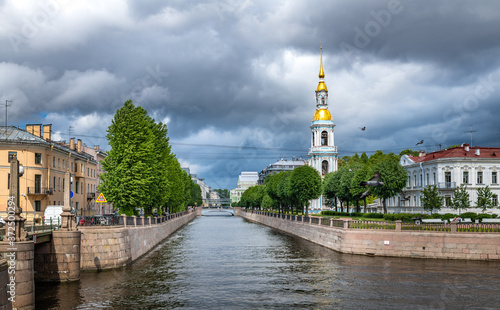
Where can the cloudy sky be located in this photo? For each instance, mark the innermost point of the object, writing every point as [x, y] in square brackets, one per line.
[235, 80]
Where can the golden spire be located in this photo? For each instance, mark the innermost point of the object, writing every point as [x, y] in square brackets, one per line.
[321, 72]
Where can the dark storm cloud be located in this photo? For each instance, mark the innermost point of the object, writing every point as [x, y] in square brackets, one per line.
[243, 73]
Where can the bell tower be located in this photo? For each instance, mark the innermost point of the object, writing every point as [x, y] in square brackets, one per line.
[323, 153]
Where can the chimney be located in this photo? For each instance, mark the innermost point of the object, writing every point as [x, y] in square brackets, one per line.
[47, 132]
[72, 144]
[96, 147]
[466, 147]
[34, 129]
[477, 151]
[421, 153]
[79, 146]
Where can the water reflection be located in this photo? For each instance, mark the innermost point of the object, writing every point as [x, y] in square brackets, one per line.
[227, 262]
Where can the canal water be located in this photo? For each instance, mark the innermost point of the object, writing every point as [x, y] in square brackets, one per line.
[230, 263]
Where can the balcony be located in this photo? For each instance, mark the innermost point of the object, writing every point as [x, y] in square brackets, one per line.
[90, 196]
[447, 185]
[39, 191]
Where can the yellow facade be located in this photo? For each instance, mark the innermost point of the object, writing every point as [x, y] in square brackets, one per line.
[45, 163]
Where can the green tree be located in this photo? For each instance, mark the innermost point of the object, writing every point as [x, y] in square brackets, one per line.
[129, 178]
[409, 152]
[461, 199]
[304, 185]
[484, 198]
[431, 199]
[362, 172]
[392, 174]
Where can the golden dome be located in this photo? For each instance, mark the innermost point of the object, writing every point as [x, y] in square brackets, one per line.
[322, 115]
[321, 86]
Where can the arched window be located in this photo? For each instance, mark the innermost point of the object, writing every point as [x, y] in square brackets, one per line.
[324, 167]
[324, 138]
[313, 139]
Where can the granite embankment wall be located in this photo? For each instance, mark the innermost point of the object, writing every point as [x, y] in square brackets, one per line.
[113, 247]
[415, 244]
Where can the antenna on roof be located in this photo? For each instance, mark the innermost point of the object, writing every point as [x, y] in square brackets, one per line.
[471, 131]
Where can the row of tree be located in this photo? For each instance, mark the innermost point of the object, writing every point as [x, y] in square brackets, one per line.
[291, 190]
[433, 201]
[285, 191]
[141, 172]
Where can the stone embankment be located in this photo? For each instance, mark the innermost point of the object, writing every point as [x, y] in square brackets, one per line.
[381, 242]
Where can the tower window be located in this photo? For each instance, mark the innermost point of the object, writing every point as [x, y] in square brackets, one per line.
[324, 167]
[324, 138]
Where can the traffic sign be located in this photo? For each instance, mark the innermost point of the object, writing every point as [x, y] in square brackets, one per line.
[71, 194]
[101, 198]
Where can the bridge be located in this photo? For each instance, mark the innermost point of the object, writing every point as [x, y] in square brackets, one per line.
[217, 202]
[217, 212]
[37, 233]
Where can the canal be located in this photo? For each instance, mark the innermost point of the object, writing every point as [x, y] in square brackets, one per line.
[230, 263]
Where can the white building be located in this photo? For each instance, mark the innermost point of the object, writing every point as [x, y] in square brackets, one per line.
[280, 166]
[474, 167]
[245, 180]
[323, 153]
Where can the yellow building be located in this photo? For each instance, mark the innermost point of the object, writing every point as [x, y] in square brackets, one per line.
[45, 163]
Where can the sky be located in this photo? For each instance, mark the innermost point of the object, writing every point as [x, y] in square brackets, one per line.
[234, 80]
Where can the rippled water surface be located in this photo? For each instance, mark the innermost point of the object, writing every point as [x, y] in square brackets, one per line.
[230, 263]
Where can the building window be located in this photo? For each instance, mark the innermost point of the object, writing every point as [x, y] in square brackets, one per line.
[63, 183]
[88, 172]
[415, 180]
[59, 184]
[54, 185]
[38, 183]
[82, 187]
[324, 167]
[434, 178]
[72, 167]
[58, 163]
[313, 139]
[495, 200]
[494, 179]
[76, 186]
[447, 201]
[465, 178]
[54, 161]
[447, 179]
[324, 138]
[12, 155]
[421, 180]
[76, 206]
[38, 158]
[427, 179]
[479, 177]
[64, 164]
[38, 205]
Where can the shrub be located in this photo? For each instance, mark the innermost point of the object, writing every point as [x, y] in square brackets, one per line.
[357, 214]
[470, 215]
[374, 215]
[484, 216]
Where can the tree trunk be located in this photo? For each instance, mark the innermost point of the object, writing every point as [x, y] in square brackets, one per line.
[385, 206]
[357, 206]
[364, 211]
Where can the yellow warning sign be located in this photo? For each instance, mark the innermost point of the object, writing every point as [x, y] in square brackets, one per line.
[101, 198]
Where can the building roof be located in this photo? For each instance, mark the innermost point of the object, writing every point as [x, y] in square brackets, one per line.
[248, 177]
[463, 151]
[17, 135]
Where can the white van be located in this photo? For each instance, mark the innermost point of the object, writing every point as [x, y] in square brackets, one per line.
[54, 213]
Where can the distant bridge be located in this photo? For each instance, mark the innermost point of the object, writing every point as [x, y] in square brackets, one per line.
[217, 212]
[218, 202]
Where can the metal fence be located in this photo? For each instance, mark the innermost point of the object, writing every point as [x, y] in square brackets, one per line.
[389, 225]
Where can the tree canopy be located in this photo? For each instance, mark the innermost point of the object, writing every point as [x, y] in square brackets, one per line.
[141, 172]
